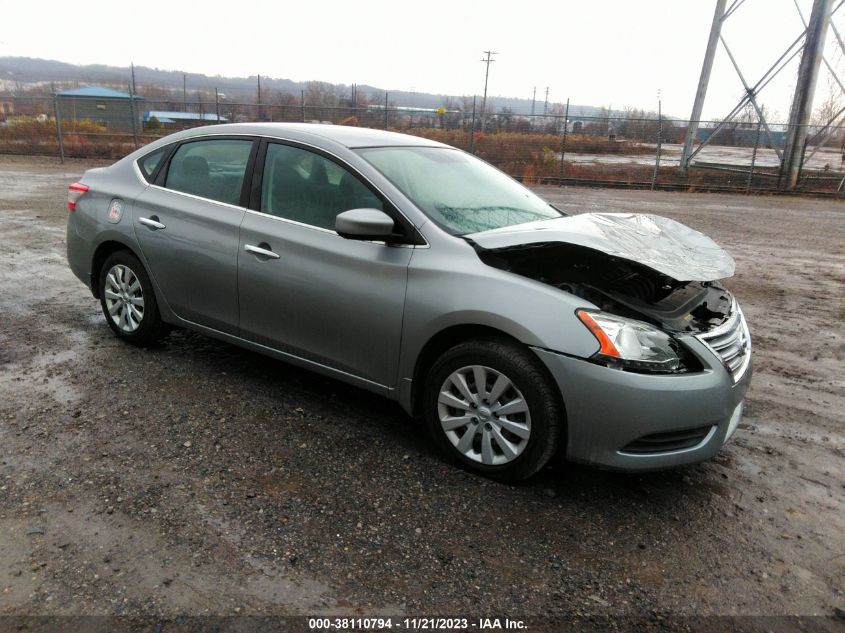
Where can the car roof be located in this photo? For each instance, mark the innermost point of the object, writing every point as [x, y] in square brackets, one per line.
[350, 137]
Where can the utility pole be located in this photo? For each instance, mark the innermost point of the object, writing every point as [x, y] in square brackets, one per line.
[533, 100]
[385, 110]
[472, 129]
[217, 103]
[184, 92]
[703, 81]
[546, 104]
[56, 114]
[259, 98]
[802, 101]
[563, 143]
[487, 60]
[659, 140]
[132, 107]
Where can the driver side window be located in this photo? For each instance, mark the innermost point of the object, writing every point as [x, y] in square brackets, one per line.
[305, 187]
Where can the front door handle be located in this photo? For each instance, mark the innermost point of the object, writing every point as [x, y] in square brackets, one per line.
[263, 252]
[152, 222]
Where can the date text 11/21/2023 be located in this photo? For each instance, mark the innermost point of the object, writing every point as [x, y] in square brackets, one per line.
[415, 624]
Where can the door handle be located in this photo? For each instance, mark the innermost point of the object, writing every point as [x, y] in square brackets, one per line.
[263, 252]
[152, 223]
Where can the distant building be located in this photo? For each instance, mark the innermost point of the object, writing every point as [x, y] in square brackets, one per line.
[182, 119]
[7, 108]
[112, 109]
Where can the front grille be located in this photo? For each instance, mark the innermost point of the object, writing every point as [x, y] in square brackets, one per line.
[731, 342]
[668, 441]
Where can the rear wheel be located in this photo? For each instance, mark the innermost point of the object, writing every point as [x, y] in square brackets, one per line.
[490, 406]
[128, 300]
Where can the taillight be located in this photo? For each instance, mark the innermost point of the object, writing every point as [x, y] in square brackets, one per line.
[74, 193]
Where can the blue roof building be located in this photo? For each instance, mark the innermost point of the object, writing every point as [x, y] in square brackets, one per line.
[101, 92]
[109, 108]
[167, 117]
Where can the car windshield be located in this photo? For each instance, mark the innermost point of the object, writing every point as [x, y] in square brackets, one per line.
[457, 190]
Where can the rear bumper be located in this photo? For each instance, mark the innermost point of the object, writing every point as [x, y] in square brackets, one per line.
[608, 409]
[78, 252]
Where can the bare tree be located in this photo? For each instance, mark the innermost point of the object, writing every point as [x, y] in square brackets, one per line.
[829, 113]
[320, 93]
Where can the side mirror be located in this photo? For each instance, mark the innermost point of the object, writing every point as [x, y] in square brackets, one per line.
[365, 224]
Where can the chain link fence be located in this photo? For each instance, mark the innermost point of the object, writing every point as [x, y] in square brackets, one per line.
[625, 151]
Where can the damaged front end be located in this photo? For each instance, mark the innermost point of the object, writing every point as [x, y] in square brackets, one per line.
[618, 286]
[651, 279]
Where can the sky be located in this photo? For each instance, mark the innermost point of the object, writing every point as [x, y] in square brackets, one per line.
[604, 53]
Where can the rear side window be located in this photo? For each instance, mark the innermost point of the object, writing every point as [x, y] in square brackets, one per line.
[150, 163]
[212, 169]
[306, 187]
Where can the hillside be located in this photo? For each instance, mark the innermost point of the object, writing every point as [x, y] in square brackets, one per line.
[26, 75]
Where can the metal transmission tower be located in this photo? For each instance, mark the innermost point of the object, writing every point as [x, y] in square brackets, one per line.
[703, 82]
[487, 60]
[802, 101]
[811, 41]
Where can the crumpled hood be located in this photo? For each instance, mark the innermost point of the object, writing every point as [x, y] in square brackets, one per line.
[669, 247]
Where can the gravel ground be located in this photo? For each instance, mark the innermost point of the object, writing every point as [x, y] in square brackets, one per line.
[198, 478]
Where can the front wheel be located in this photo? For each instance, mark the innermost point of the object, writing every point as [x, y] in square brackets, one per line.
[128, 300]
[490, 406]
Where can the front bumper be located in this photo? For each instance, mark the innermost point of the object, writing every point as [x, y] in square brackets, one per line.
[607, 409]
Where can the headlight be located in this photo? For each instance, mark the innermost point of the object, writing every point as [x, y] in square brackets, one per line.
[626, 343]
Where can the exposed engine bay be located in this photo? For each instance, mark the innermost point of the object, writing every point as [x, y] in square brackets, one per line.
[616, 285]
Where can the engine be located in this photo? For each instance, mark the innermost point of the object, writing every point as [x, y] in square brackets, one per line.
[618, 286]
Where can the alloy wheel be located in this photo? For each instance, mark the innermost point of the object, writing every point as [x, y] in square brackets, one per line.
[484, 415]
[124, 298]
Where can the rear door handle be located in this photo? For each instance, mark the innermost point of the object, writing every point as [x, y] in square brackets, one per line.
[152, 223]
[263, 252]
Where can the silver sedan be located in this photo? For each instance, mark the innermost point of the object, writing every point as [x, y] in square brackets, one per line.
[420, 272]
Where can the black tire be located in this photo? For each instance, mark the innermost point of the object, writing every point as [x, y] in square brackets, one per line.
[528, 375]
[151, 328]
